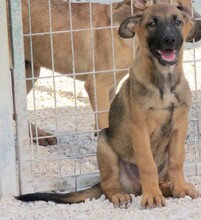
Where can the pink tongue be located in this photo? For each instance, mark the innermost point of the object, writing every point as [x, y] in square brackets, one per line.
[168, 55]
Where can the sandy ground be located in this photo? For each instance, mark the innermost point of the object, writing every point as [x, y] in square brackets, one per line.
[100, 209]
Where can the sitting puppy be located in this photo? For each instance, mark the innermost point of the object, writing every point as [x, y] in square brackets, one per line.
[142, 151]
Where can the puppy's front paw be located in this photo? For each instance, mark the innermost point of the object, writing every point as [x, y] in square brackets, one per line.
[185, 189]
[152, 200]
[121, 200]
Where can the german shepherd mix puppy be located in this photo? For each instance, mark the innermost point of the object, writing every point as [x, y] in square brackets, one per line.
[142, 150]
[123, 51]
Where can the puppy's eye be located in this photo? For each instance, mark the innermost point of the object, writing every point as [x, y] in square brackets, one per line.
[180, 7]
[152, 24]
[178, 22]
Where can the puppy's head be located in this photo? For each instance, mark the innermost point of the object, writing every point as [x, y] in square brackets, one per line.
[182, 5]
[161, 30]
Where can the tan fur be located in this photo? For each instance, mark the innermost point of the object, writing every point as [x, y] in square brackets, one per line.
[82, 43]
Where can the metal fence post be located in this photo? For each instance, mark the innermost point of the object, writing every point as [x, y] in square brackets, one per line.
[8, 177]
[23, 150]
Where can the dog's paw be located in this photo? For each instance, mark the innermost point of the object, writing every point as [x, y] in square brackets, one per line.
[45, 138]
[47, 141]
[150, 200]
[122, 200]
[186, 189]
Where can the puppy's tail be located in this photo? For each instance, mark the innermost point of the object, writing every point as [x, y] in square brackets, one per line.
[68, 198]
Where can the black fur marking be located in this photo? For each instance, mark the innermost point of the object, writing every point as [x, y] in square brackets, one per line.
[170, 78]
[106, 131]
[166, 129]
[157, 36]
[172, 89]
[141, 90]
[115, 115]
[171, 108]
[174, 81]
[159, 82]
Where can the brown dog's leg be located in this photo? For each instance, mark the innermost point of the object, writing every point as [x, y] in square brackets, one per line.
[29, 83]
[176, 159]
[99, 98]
[102, 95]
[109, 170]
[36, 131]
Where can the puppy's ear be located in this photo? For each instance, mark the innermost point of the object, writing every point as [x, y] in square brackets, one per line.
[127, 27]
[190, 27]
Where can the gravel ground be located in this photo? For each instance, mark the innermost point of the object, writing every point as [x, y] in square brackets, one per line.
[100, 209]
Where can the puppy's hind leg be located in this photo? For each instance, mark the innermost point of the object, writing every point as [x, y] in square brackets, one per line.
[165, 188]
[109, 173]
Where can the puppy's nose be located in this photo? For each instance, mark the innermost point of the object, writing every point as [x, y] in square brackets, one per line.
[169, 40]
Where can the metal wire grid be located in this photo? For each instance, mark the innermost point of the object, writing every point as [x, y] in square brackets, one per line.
[78, 157]
[74, 73]
[34, 177]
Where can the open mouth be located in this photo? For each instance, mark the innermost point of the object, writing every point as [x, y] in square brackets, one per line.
[165, 57]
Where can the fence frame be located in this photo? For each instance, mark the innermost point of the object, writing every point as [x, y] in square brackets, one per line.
[19, 82]
[8, 177]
